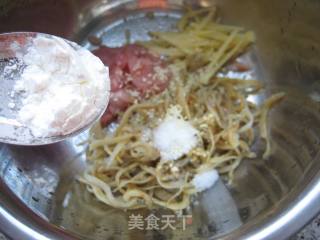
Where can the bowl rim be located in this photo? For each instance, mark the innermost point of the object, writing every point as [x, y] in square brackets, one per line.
[20, 222]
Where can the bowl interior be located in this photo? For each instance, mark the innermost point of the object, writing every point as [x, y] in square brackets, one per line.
[285, 58]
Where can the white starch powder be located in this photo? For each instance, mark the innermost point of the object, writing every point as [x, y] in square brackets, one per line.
[62, 87]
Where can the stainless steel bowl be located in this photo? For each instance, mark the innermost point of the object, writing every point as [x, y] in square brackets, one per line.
[272, 199]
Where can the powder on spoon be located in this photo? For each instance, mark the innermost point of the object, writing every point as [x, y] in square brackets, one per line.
[62, 87]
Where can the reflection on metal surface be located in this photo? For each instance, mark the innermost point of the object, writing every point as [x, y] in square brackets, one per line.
[24, 231]
[297, 210]
[268, 199]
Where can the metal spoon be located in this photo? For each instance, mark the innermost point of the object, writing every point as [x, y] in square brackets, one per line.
[11, 130]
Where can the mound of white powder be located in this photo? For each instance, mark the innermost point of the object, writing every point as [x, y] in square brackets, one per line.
[62, 87]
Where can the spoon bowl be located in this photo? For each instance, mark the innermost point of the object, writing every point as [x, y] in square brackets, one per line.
[13, 46]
